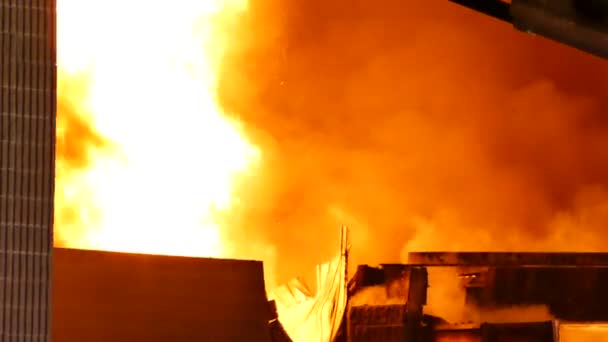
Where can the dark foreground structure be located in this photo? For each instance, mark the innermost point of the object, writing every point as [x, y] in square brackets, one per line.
[570, 286]
[27, 139]
[104, 296]
[582, 24]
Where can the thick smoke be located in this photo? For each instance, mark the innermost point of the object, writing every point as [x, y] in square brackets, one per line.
[418, 124]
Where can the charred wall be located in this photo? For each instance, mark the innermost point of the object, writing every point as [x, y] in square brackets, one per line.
[27, 139]
[520, 332]
[574, 294]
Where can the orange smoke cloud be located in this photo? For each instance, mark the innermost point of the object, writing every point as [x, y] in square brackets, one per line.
[419, 124]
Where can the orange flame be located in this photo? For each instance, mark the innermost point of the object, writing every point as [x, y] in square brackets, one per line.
[137, 102]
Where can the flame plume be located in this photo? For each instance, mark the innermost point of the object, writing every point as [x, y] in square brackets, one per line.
[146, 159]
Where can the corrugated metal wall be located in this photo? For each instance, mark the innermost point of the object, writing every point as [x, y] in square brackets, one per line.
[27, 139]
[377, 323]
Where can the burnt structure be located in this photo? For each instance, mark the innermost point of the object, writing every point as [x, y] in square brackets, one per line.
[570, 285]
[398, 314]
[508, 332]
[506, 259]
[572, 294]
[27, 139]
[106, 296]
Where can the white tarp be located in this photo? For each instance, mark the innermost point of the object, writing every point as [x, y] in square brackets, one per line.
[583, 332]
[316, 318]
[294, 292]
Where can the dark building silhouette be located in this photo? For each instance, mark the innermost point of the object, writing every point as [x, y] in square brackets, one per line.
[27, 150]
[106, 296]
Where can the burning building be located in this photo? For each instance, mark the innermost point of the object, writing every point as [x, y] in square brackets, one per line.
[27, 167]
[501, 296]
[500, 158]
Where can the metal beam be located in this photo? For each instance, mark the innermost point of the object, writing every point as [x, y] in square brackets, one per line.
[506, 259]
[416, 298]
[494, 8]
[582, 24]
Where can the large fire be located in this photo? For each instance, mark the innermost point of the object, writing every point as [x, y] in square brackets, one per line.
[383, 118]
[140, 78]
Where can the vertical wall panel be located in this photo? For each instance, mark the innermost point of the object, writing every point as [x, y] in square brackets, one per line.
[27, 166]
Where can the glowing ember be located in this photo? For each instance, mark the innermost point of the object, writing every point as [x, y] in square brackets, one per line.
[143, 74]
